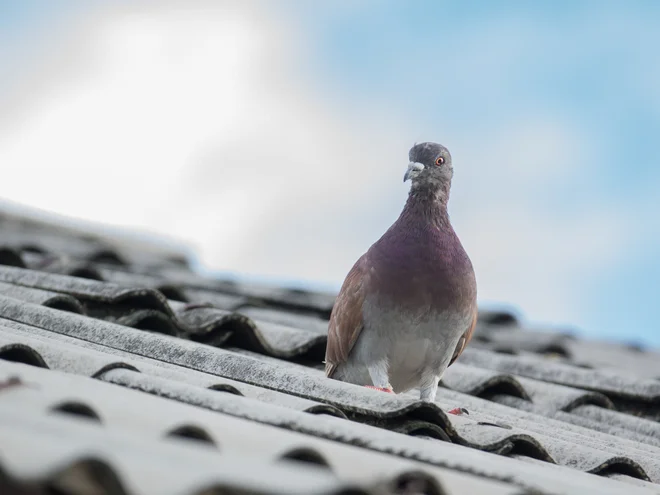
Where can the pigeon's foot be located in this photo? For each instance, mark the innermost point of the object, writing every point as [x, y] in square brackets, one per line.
[458, 411]
[381, 389]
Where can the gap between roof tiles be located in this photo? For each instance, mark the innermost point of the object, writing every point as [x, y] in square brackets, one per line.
[85, 364]
[147, 309]
[72, 316]
[290, 453]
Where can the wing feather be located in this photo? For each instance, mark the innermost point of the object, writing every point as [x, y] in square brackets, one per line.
[464, 340]
[346, 318]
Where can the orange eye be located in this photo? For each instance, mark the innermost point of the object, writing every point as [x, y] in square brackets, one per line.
[440, 161]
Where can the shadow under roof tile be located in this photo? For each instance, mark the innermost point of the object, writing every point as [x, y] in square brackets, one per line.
[542, 396]
[21, 353]
[482, 382]
[312, 324]
[217, 361]
[157, 466]
[553, 397]
[47, 298]
[350, 399]
[355, 399]
[617, 385]
[10, 256]
[148, 309]
[281, 341]
[54, 354]
[352, 433]
[67, 354]
[156, 417]
[319, 303]
[564, 441]
[515, 340]
[558, 448]
[559, 412]
[84, 289]
[132, 280]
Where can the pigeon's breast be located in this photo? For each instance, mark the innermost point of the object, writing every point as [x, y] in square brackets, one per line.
[423, 273]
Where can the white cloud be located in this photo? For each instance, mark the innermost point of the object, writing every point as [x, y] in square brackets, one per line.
[194, 121]
[185, 120]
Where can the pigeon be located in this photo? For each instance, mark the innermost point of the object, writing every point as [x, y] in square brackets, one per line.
[408, 307]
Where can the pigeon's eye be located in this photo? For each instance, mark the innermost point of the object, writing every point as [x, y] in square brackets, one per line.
[439, 161]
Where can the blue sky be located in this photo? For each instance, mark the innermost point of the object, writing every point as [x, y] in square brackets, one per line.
[551, 111]
[467, 65]
[477, 63]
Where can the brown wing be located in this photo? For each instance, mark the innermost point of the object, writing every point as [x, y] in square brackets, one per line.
[464, 340]
[346, 317]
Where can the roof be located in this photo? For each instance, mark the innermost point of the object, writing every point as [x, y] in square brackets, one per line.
[111, 383]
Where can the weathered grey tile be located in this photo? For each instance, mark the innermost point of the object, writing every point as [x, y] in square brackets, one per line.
[149, 309]
[482, 382]
[158, 418]
[620, 424]
[125, 460]
[64, 353]
[566, 443]
[308, 323]
[618, 386]
[43, 297]
[432, 452]
[352, 400]
[556, 405]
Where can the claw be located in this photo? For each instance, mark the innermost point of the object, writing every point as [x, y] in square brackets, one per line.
[458, 411]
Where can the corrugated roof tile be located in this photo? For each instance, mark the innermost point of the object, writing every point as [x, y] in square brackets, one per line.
[133, 343]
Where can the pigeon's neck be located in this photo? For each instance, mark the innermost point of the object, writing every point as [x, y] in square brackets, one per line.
[428, 205]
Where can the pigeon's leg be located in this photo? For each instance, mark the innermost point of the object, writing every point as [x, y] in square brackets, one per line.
[379, 376]
[429, 388]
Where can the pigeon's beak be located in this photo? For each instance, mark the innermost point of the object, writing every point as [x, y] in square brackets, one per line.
[414, 168]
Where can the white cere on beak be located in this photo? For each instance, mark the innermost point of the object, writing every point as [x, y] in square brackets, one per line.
[414, 168]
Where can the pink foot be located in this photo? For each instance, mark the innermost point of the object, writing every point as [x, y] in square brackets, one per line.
[458, 411]
[388, 390]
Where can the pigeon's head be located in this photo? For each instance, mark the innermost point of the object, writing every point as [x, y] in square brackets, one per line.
[430, 167]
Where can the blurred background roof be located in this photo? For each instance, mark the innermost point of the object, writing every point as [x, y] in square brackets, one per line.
[271, 137]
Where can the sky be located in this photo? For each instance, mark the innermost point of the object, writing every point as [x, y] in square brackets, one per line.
[271, 136]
